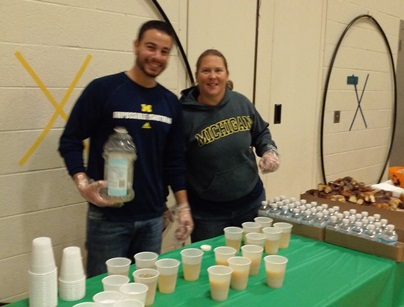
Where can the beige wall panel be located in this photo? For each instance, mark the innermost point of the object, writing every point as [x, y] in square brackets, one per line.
[355, 160]
[375, 119]
[377, 82]
[355, 140]
[30, 109]
[209, 27]
[62, 225]
[59, 26]
[373, 100]
[363, 174]
[57, 67]
[295, 74]
[19, 144]
[36, 191]
[14, 288]
[343, 11]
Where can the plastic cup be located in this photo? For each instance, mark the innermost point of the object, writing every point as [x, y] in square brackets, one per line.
[129, 303]
[118, 266]
[255, 238]
[148, 277]
[42, 259]
[145, 260]
[168, 269]
[219, 281]
[233, 236]
[107, 298]
[241, 271]
[275, 267]
[191, 263]
[134, 290]
[222, 253]
[43, 289]
[285, 235]
[273, 236]
[72, 290]
[114, 282]
[72, 265]
[251, 227]
[264, 221]
[254, 253]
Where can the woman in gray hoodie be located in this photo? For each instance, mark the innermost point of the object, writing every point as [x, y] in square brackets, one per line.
[223, 134]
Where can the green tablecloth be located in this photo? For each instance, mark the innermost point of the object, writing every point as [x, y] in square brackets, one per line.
[318, 274]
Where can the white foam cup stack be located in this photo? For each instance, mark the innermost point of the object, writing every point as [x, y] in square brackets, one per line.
[42, 274]
[42, 258]
[72, 279]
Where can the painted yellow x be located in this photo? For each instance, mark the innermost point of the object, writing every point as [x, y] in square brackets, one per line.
[58, 106]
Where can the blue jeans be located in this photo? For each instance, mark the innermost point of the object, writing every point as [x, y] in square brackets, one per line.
[209, 225]
[107, 239]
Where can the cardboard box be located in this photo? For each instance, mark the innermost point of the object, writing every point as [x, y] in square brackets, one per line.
[361, 244]
[366, 246]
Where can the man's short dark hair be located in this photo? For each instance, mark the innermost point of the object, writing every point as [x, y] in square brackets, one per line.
[157, 25]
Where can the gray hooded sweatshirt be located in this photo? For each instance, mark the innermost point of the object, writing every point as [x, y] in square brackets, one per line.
[220, 142]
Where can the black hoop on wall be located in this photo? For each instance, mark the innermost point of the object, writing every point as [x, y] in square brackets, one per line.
[177, 40]
[328, 80]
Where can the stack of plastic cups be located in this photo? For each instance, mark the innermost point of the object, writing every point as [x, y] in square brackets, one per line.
[42, 274]
[72, 280]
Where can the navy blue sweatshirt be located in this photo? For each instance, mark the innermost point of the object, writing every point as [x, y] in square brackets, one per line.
[152, 116]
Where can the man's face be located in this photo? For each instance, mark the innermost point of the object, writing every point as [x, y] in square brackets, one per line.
[152, 52]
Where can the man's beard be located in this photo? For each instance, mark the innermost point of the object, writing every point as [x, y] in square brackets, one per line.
[142, 66]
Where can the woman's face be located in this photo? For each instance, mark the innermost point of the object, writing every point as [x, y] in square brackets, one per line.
[212, 77]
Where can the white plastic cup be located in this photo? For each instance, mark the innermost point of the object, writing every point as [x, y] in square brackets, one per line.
[285, 235]
[134, 290]
[145, 260]
[114, 282]
[219, 281]
[191, 263]
[168, 269]
[43, 289]
[148, 277]
[254, 253]
[107, 298]
[255, 238]
[241, 271]
[222, 253]
[72, 265]
[251, 227]
[72, 290]
[273, 236]
[129, 303]
[264, 221]
[275, 267]
[118, 266]
[233, 236]
[42, 258]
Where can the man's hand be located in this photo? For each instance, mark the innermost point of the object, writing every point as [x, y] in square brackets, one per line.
[90, 190]
[185, 222]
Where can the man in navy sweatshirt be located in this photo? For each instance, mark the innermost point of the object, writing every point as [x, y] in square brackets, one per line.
[152, 116]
